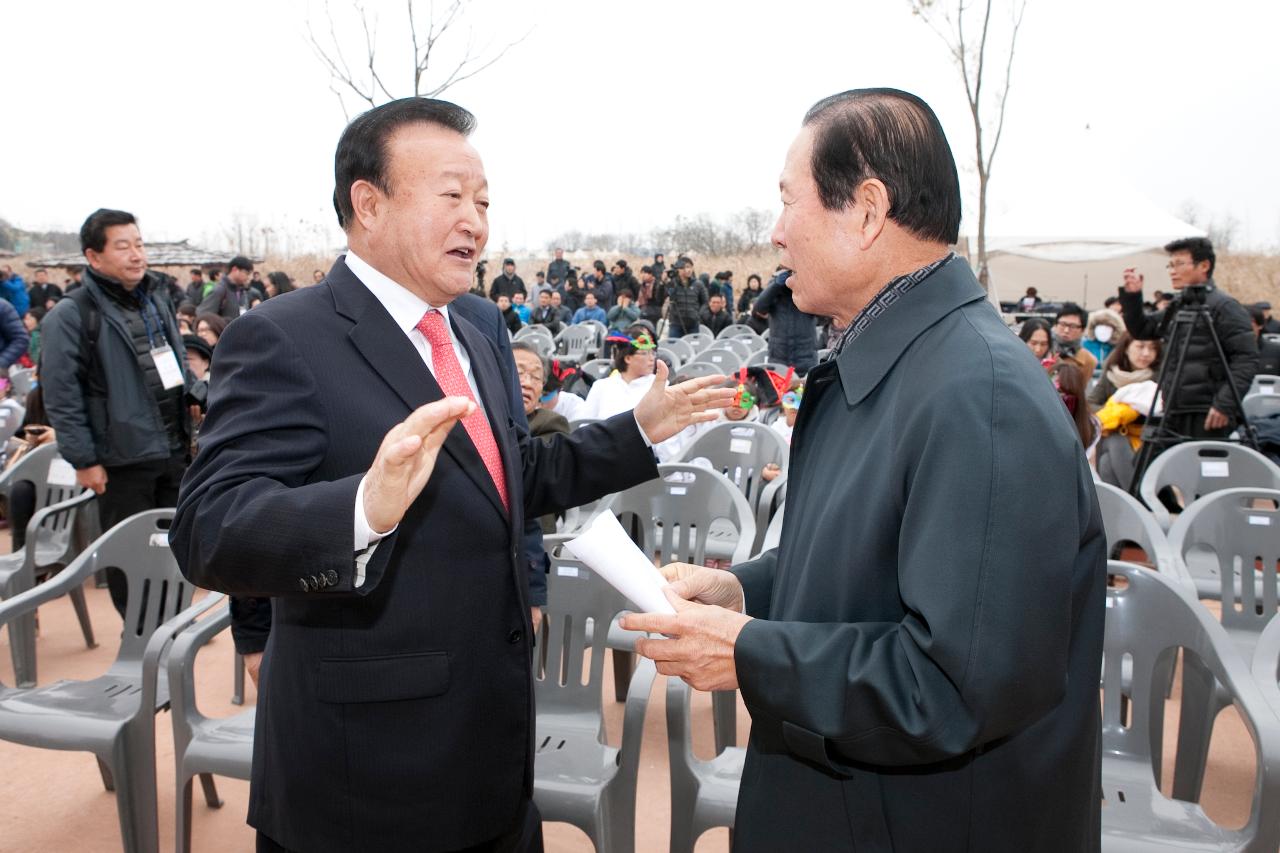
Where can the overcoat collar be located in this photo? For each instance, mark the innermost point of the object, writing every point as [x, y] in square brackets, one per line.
[865, 361]
[388, 351]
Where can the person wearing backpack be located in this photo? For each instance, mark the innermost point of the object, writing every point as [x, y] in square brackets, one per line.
[114, 375]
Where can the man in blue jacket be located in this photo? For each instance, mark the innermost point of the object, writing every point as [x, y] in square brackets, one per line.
[13, 337]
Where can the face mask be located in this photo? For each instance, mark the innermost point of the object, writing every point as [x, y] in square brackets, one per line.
[1102, 334]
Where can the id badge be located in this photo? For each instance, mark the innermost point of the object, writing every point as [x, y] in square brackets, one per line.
[167, 366]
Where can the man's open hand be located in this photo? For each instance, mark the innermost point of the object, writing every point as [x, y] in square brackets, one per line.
[701, 641]
[405, 460]
[1133, 280]
[666, 410]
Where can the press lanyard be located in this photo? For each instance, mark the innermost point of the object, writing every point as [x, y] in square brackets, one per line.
[166, 360]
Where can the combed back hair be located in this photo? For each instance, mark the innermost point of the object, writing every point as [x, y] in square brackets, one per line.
[894, 136]
[1199, 247]
[93, 233]
[362, 150]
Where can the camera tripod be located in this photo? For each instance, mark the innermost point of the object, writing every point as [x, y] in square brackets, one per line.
[1159, 432]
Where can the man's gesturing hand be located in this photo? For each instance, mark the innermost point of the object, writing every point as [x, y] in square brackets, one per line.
[666, 410]
[1133, 280]
[701, 644]
[405, 460]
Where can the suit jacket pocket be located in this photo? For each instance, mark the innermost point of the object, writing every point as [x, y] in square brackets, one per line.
[382, 679]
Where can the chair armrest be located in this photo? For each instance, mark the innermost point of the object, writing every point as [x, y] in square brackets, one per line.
[60, 584]
[1266, 664]
[633, 715]
[158, 645]
[181, 665]
[41, 516]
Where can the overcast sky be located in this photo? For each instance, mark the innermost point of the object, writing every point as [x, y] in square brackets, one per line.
[616, 117]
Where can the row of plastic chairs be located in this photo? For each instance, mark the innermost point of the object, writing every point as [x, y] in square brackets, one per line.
[1198, 468]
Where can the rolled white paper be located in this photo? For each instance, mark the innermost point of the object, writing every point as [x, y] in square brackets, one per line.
[606, 548]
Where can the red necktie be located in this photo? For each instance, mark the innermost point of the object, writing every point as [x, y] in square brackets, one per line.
[452, 381]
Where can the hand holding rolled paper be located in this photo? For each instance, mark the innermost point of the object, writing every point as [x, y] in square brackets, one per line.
[609, 552]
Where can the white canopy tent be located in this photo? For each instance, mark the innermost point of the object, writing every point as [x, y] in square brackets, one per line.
[1070, 233]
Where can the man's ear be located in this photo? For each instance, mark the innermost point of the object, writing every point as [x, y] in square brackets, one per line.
[871, 206]
[367, 204]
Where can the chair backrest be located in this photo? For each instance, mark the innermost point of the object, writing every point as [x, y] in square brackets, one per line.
[1265, 383]
[1199, 468]
[602, 331]
[1147, 620]
[1261, 405]
[671, 357]
[697, 369]
[139, 547]
[741, 346]
[740, 451]
[578, 602]
[773, 534]
[700, 339]
[21, 381]
[1127, 520]
[724, 360]
[539, 338]
[1240, 530]
[674, 513]
[53, 477]
[738, 330]
[681, 348]
[578, 340]
[598, 368]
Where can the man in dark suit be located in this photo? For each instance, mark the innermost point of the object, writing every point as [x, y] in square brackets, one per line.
[360, 464]
[920, 654]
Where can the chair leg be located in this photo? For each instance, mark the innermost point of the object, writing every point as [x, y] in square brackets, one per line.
[1195, 729]
[22, 637]
[210, 791]
[623, 665]
[724, 714]
[133, 762]
[82, 614]
[108, 780]
[237, 675]
[182, 817]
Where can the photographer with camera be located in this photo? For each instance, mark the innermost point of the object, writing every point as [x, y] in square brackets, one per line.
[1199, 402]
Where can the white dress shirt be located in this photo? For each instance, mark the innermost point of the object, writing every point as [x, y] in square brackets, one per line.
[407, 310]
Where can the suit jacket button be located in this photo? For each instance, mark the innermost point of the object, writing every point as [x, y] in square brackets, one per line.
[305, 584]
[332, 577]
[515, 636]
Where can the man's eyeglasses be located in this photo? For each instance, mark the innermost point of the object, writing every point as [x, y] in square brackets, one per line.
[1062, 325]
[1180, 262]
[534, 375]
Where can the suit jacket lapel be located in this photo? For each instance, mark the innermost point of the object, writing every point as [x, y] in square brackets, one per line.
[486, 369]
[395, 360]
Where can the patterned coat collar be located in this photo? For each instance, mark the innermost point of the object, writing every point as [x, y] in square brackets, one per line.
[889, 294]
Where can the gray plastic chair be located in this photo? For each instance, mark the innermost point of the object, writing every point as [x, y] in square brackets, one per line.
[704, 794]
[700, 339]
[1127, 520]
[51, 543]
[674, 515]
[578, 342]
[773, 534]
[681, 348]
[1258, 406]
[1226, 531]
[598, 368]
[113, 716]
[697, 369]
[21, 381]
[578, 777]
[740, 451]
[737, 330]
[1266, 665]
[539, 337]
[1148, 620]
[741, 346]
[1199, 468]
[202, 745]
[725, 360]
[1264, 383]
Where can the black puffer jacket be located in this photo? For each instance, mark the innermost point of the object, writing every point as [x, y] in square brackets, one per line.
[1204, 382]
